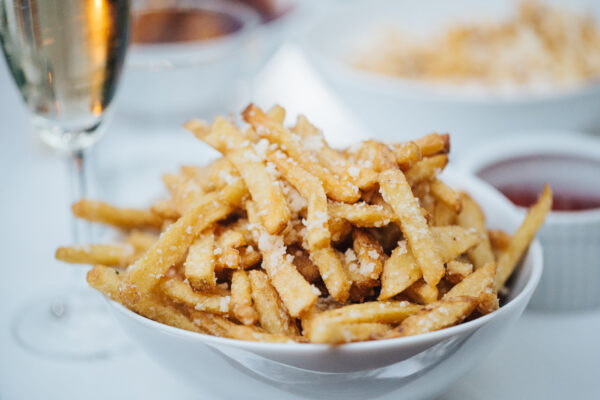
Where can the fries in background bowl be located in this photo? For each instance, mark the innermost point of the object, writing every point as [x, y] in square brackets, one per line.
[284, 239]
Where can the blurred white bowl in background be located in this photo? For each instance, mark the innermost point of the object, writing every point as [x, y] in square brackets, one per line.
[397, 109]
[570, 163]
[414, 367]
[172, 82]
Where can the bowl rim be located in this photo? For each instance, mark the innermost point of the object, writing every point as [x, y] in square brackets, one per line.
[157, 55]
[341, 70]
[534, 254]
[525, 143]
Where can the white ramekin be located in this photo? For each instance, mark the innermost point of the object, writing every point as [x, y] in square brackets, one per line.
[571, 240]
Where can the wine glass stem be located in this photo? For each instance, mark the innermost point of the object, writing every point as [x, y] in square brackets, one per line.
[81, 229]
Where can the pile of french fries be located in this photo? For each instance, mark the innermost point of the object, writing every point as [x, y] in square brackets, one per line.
[542, 45]
[285, 239]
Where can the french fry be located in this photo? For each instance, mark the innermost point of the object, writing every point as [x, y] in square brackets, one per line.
[456, 271]
[353, 332]
[124, 218]
[271, 312]
[523, 237]
[361, 214]
[472, 217]
[422, 293]
[165, 209]
[333, 273]
[140, 240]
[219, 326]
[305, 266]
[106, 254]
[172, 245]
[199, 265]
[336, 188]
[433, 144]
[370, 257]
[241, 298]
[443, 215]
[230, 238]
[446, 195]
[400, 270]
[107, 281]
[180, 292]
[296, 293]
[499, 239]
[474, 284]
[441, 314]
[406, 153]
[363, 177]
[387, 312]
[376, 155]
[398, 194]
[480, 284]
[310, 188]
[186, 193]
[426, 169]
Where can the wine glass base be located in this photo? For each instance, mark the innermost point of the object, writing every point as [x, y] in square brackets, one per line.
[71, 324]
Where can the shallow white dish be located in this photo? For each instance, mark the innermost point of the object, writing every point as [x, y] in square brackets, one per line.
[570, 163]
[396, 109]
[413, 367]
[178, 81]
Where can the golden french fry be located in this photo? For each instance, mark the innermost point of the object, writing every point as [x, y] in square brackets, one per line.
[480, 284]
[401, 270]
[443, 215]
[433, 144]
[241, 298]
[446, 195]
[472, 217]
[398, 194]
[441, 314]
[117, 255]
[229, 238]
[499, 239]
[387, 312]
[474, 284]
[363, 177]
[334, 276]
[199, 265]
[165, 209]
[339, 333]
[523, 237]
[422, 293]
[108, 281]
[370, 257]
[336, 187]
[361, 214]
[456, 271]
[216, 325]
[311, 189]
[140, 240]
[426, 169]
[180, 292]
[185, 192]
[296, 293]
[406, 153]
[124, 218]
[305, 266]
[172, 245]
[375, 155]
[271, 312]
[340, 229]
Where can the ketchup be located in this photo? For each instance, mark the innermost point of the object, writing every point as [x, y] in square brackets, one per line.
[525, 196]
[181, 25]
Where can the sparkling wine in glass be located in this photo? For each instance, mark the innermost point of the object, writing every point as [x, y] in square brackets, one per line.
[66, 57]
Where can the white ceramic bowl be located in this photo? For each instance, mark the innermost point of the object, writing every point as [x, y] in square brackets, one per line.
[178, 81]
[394, 108]
[570, 163]
[412, 367]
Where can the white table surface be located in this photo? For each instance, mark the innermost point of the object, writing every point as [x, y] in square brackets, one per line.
[545, 356]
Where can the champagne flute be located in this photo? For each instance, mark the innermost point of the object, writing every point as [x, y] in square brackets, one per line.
[66, 57]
